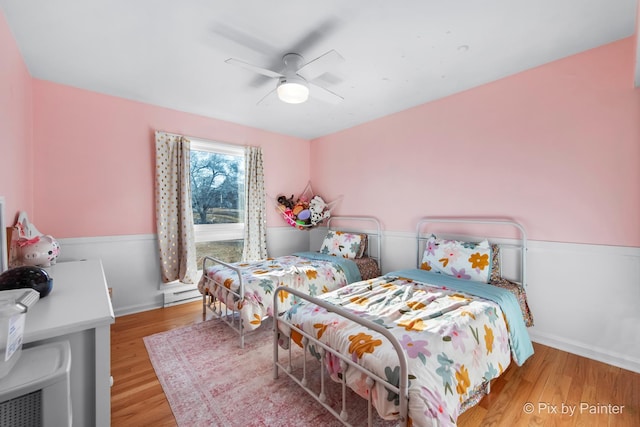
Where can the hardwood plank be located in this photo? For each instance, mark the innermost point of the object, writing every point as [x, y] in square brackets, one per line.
[549, 377]
[136, 396]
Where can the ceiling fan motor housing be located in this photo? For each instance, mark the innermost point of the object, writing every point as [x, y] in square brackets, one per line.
[292, 62]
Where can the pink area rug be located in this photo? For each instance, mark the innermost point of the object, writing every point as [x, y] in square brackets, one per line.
[210, 381]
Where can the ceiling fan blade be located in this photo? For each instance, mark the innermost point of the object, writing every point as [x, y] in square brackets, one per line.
[320, 65]
[322, 31]
[227, 34]
[265, 99]
[254, 68]
[324, 94]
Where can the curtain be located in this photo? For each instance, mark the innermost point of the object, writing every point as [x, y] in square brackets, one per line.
[174, 216]
[255, 227]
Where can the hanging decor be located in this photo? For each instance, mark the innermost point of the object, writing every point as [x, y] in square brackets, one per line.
[306, 211]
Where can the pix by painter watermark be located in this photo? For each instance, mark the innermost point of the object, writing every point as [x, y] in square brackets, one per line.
[571, 409]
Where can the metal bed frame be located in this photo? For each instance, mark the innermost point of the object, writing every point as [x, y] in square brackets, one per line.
[422, 238]
[232, 317]
[374, 234]
[346, 363]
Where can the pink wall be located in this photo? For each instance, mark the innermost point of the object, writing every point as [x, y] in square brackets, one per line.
[95, 157]
[16, 146]
[556, 148]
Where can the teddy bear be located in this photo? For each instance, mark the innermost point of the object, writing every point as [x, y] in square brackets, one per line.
[286, 202]
[319, 211]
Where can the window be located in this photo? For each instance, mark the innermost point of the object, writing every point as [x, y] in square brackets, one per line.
[217, 198]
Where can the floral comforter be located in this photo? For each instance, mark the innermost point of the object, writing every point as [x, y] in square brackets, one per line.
[455, 339]
[310, 272]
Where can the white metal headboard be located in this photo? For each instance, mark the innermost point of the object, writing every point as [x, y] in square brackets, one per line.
[421, 239]
[366, 225]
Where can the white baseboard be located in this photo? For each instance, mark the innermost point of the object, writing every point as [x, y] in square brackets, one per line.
[137, 308]
[584, 350]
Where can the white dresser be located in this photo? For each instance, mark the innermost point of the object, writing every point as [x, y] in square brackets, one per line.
[79, 310]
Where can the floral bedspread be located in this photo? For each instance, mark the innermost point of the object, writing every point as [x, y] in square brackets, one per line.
[311, 273]
[454, 341]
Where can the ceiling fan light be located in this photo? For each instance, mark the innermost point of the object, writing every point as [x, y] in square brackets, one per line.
[293, 91]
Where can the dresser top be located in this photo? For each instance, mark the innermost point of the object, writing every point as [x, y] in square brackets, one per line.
[79, 300]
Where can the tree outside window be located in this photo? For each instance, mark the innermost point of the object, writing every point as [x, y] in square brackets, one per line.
[217, 197]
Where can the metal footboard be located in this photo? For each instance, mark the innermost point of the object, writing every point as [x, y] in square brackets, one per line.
[221, 301]
[345, 362]
[223, 308]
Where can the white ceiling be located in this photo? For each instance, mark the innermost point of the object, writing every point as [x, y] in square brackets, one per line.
[398, 54]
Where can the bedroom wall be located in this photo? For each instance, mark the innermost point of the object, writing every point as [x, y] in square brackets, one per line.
[16, 143]
[109, 143]
[93, 185]
[556, 148]
[81, 165]
[94, 173]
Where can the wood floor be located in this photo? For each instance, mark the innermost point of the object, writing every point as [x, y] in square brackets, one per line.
[553, 388]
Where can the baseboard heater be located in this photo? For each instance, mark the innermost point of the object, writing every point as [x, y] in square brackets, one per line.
[181, 296]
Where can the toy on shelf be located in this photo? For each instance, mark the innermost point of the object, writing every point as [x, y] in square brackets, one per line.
[307, 211]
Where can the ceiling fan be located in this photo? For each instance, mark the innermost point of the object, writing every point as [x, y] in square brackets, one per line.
[295, 82]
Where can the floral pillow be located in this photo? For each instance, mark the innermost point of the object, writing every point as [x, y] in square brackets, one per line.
[464, 260]
[345, 245]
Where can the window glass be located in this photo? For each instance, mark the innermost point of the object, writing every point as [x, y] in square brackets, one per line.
[225, 250]
[217, 199]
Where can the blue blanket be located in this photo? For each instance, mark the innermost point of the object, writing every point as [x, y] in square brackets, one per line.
[521, 346]
[350, 267]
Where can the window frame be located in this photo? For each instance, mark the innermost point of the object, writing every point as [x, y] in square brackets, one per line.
[218, 232]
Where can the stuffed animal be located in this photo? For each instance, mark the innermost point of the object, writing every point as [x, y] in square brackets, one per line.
[288, 215]
[319, 211]
[41, 251]
[287, 203]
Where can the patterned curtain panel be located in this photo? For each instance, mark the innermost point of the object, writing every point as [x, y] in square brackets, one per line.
[255, 223]
[174, 216]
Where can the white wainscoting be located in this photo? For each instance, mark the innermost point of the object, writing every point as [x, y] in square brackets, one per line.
[584, 298]
[132, 266]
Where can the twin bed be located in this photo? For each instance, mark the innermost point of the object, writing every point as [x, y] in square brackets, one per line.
[241, 294]
[420, 345]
